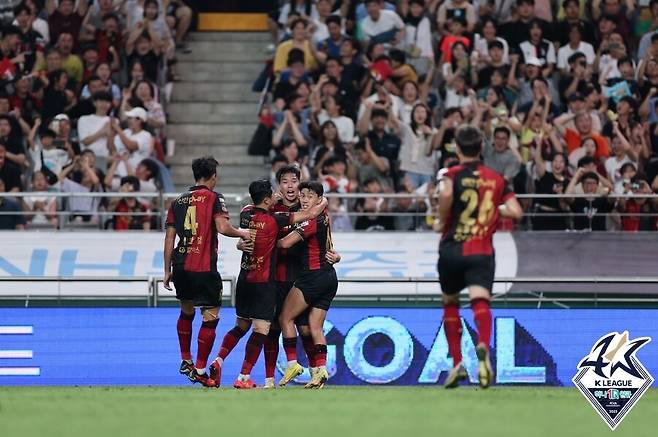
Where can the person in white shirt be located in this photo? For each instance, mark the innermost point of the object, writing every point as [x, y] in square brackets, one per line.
[135, 142]
[576, 44]
[95, 129]
[381, 25]
[539, 47]
[344, 125]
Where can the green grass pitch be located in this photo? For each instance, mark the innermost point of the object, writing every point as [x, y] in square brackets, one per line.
[334, 411]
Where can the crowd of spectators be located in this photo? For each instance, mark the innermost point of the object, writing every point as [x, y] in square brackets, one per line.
[366, 95]
[82, 107]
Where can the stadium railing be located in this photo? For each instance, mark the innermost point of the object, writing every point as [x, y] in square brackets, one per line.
[536, 292]
[420, 211]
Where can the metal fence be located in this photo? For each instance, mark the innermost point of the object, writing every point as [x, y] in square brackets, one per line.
[537, 292]
[415, 207]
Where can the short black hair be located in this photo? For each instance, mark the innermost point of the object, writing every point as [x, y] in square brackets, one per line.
[297, 21]
[288, 169]
[22, 7]
[576, 56]
[259, 190]
[47, 133]
[102, 95]
[398, 56]
[585, 160]
[378, 112]
[151, 166]
[204, 167]
[503, 129]
[624, 167]
[110, 16]
[469, 140]
[625, 60]
[496, 44]
[11, 30]
[278, 158]
[132, 180]
[566, 3]
[295, 55]
[590, 175]
[314, 186]
[333, 19]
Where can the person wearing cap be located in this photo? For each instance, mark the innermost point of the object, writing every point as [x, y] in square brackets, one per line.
[95, 129]
[61, 125]
[134, 141]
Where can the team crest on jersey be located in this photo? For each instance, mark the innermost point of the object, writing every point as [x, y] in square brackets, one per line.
[611, 376]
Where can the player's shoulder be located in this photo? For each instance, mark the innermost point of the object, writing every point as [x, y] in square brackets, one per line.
[451, 172]
[247, 209]
[489, 173]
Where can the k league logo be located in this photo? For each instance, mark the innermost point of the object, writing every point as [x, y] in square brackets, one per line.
[612, 378]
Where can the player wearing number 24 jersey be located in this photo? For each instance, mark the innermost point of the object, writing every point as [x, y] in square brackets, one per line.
[472, 197]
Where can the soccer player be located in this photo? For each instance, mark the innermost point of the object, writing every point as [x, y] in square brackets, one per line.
[256, 289]
[195, 217]
[471, 199]
[314, 288]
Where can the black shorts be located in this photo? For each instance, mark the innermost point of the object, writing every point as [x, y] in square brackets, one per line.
[282, 290]
[255, 300]
[319, 287]
[457, 271]
[203, 288]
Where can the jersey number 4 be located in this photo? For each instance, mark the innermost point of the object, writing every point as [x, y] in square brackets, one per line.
[190, 223]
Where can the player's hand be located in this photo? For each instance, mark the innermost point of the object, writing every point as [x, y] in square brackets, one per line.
[244, 234]
[167, 280]
[332, 257]
[245, 246]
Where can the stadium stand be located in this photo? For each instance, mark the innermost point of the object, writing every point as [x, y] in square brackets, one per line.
[364, 95]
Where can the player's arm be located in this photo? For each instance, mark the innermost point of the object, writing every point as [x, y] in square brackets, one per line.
[445, 200]
[309, 214]
[170, 238]
[333, 257]
[225, 228]
[511, 209]
[245, 245]
[289, 240]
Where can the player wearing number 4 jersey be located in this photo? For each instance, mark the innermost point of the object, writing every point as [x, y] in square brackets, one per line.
[471, 199]
[195, 218]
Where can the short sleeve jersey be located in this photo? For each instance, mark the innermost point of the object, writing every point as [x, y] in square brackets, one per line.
[264, 227]
[193, 216]
[316, 235]
[287, 260]
[478, 191]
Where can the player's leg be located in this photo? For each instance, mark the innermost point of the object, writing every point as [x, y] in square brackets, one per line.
[230, 340]
[184, 328]
[480, 281]
[252, 352]
[271, 348]
[205, 342]
[302, 322]
[316, 319]
[293, 306]
[452, 282]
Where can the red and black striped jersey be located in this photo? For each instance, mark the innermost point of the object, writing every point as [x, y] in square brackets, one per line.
[478, 191]
[193, 215]
[288, 261]
[316, 234]
[264, 227]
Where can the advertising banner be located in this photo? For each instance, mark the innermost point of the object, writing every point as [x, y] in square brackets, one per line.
[366, 346]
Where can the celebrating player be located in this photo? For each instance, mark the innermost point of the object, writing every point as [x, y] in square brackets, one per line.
[315, 287]
[256, 290]
[195, 217]
[471, 199]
